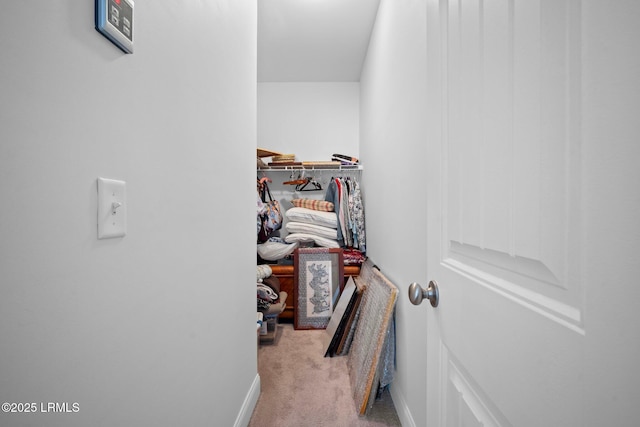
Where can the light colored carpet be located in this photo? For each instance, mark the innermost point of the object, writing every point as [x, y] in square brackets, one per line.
[301, 388]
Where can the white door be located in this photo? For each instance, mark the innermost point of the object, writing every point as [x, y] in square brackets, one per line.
[533, 213]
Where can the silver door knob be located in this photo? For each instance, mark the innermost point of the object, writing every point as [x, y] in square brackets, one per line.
[417, 293]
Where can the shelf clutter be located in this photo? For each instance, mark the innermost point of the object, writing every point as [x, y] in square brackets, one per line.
[282, 161]
[332, 219]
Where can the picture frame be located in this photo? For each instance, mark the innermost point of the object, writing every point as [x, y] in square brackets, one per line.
[318, 281]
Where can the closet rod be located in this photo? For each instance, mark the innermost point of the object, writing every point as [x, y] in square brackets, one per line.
[311, 168]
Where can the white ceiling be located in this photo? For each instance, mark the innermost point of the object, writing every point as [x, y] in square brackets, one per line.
[313, 40]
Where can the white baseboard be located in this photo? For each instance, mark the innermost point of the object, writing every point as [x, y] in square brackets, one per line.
[404, 414]
[250, 401]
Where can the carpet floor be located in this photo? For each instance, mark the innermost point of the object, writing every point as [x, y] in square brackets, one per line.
[301, 388]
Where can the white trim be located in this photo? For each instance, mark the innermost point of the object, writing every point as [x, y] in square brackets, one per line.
[249, 404]
[402, 409]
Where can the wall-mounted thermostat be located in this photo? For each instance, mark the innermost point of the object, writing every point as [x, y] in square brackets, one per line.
[114, 19]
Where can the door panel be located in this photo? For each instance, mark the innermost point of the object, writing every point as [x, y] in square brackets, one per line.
[466, 403]
[504, 212]
[511, 175]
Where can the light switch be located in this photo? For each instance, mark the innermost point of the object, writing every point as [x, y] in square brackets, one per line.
[112, 208]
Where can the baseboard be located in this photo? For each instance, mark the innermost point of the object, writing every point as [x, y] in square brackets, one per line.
[404, 414]
[250, 401]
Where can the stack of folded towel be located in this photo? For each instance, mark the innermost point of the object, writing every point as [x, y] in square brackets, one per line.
[312, 220]
[271, 300]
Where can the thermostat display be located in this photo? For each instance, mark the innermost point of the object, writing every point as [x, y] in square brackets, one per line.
[114, 19]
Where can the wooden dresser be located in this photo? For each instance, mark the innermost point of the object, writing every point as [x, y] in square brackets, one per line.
[284, 273]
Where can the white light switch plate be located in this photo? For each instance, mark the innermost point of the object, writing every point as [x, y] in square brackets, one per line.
[112, 208]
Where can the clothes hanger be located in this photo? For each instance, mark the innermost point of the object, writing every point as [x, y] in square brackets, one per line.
[296, 181]
[303, 186]
[301, 183]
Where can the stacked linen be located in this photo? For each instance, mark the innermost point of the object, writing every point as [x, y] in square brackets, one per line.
[271, 300]
[312, 220]
[266, 296]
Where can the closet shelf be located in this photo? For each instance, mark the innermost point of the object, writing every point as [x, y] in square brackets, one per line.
[312, 167]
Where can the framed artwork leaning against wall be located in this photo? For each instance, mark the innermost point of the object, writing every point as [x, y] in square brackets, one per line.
[318, 281]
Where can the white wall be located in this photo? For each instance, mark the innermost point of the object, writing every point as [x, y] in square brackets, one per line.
[155, 328]
[393, 149]
[311, 120]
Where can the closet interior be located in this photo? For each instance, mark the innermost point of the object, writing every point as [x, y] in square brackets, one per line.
[320, 206]
[313, 270]
[312, 265]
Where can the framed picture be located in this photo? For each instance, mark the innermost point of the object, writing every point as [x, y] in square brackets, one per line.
[318, 281]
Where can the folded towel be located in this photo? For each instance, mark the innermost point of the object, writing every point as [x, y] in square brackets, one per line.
[318, 230]
[316, 205]
[320, 241]
[309, 216]
[266, 293]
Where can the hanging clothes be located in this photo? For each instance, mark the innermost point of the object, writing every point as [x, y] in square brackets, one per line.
[344, 214]
[345, 194]
[357, 216]
[333, 195]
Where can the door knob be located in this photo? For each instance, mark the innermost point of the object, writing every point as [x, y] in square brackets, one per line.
[417, 293]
